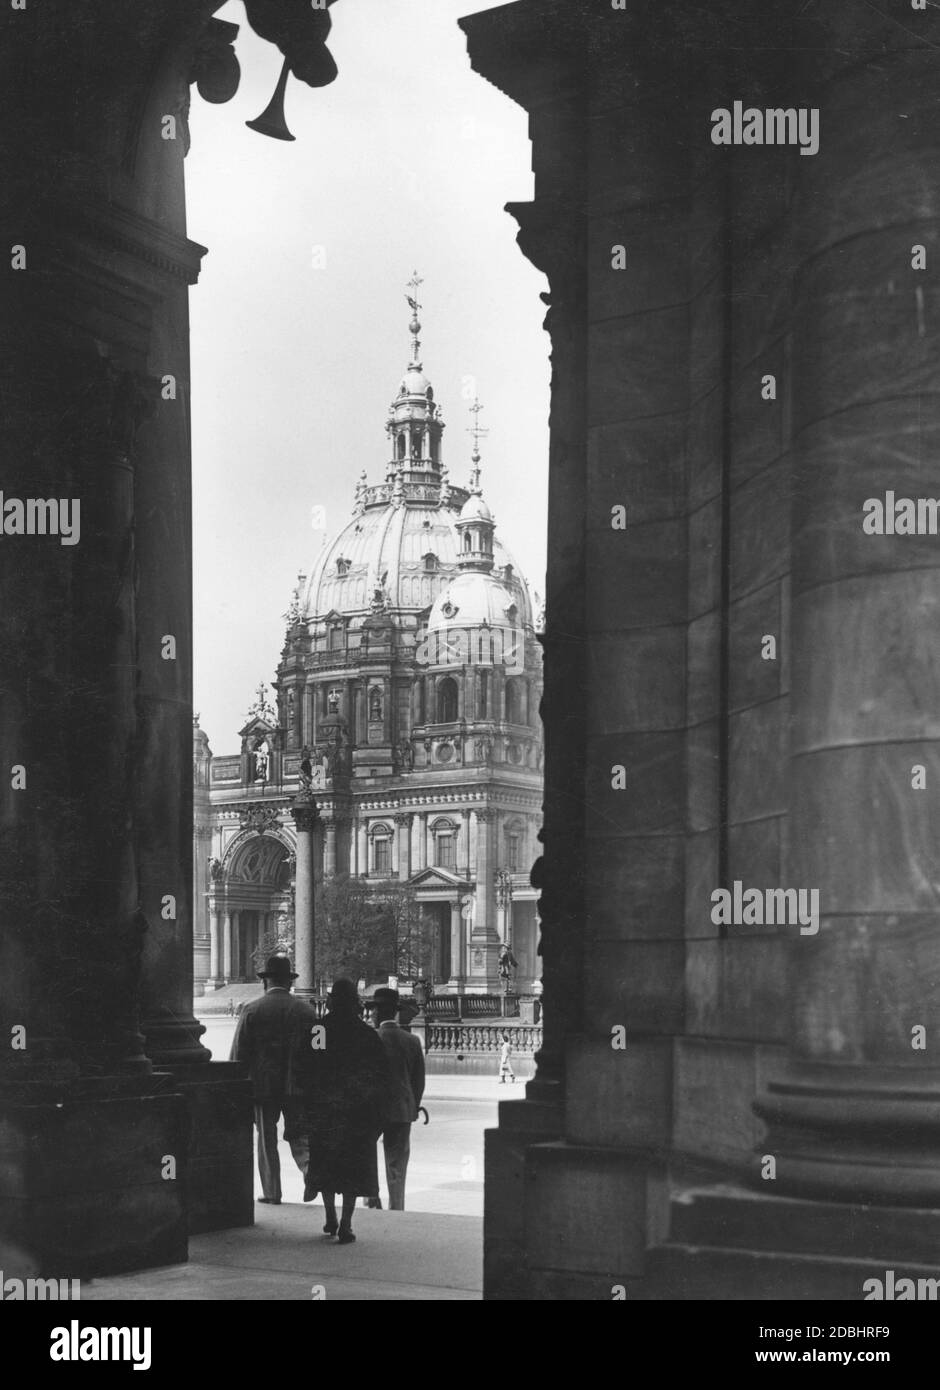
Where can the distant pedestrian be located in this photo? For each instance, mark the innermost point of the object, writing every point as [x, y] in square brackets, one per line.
[344, 1078]
[263, 1038]
[505, 1065]
[406, 1063]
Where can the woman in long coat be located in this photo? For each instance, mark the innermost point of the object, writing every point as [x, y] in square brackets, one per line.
[342, 1085]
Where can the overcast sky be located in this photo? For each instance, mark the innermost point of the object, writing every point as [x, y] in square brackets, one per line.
[404, 162]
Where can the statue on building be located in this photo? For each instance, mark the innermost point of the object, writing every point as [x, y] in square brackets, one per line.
[484, 749]
[406, 757]
[262, 756]
[215, 868]
[507, 962]
[332, 701]
[375, 703]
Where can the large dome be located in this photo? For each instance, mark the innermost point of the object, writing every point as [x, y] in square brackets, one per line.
[410, 551]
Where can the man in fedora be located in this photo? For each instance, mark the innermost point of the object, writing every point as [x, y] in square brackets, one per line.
[406, 1062]
[267, 1029]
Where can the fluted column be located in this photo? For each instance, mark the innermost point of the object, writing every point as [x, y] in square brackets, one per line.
[458, 948]
[463, 844]
[422, 840]
[306, 815]
[362, 848]
[857, 1116]
[329, 847]
[213, 980]
[227, 947]
[403, 836]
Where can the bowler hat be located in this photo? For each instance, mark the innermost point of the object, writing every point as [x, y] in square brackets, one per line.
[277, 967]
[384, 995]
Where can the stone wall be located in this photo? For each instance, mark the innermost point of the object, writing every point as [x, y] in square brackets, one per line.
[684, 275]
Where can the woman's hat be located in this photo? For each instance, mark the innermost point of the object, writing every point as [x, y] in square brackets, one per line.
[277, 968]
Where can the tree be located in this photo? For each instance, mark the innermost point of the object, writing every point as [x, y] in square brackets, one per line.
[350, 931]
[408, 933]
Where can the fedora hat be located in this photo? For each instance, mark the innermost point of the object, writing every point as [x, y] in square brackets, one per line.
[277, 967]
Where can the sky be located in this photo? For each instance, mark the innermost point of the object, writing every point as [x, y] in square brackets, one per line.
[300, 324]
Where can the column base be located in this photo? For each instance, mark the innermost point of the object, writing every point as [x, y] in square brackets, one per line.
[83, 1189]
[173, 1040]
[221, 1190]
[864, 1134]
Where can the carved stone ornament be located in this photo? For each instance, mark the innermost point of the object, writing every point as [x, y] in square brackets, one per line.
[257, 816]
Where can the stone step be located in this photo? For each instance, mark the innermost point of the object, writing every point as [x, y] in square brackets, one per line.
[731, 1216]
[678, 1273]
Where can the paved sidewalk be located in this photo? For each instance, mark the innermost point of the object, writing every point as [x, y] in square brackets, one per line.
[397, 1256]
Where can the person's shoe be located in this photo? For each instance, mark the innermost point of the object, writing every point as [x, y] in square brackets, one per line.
[330, 1228]
[269, 1201]
[345, 1236]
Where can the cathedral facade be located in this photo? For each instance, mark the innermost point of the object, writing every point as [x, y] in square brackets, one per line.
[407, 699]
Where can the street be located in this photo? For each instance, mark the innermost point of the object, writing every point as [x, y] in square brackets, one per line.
[445, 1173]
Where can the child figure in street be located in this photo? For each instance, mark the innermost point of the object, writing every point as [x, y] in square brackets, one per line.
[505, 1066]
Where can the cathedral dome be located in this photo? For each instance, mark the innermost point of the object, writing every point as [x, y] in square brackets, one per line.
[413, 533]
[410, 551]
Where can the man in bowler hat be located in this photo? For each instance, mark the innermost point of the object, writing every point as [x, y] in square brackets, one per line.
[406, 1061]
[267, 1029]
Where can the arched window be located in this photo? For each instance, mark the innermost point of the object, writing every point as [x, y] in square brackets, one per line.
[447, 701]
[381, 836]
[430, 561]
[515, 702]
[400, 446]
[445, 844]
[515, 846]
[466, 540]
[422, 700]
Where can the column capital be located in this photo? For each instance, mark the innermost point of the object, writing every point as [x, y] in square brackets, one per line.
[305, 813]
[403, 818]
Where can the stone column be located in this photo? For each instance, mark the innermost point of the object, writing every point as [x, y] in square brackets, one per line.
[458, 948]
[227, 947]
[857, 1115]
[305, 815]
[213, 980]
[403, 836]
[463, 844]
[422, 840]
[362, 848]
[236, 944]
[329, 847]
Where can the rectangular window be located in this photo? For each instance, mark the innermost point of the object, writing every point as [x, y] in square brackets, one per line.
[513, 854]
[381, 857]
[446, 855]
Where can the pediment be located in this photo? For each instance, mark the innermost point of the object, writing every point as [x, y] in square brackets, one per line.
[438, 878]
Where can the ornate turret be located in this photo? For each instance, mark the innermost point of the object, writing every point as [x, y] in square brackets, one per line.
[414, 423]
[475, 525]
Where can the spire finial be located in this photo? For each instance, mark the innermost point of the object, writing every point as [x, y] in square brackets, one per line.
[414, 326]
[478, 432]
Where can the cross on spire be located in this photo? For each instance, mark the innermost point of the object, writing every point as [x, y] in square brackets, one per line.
[478, 432]
[414, 326]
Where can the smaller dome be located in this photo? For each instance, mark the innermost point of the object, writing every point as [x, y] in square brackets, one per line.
[414, 383]
[475, 509]
[474, 600]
